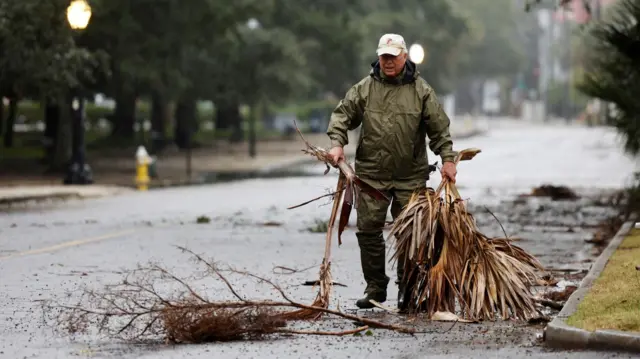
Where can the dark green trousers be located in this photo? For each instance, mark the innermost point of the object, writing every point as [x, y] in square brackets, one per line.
[372, 214]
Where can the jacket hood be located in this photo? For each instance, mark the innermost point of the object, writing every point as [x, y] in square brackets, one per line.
[410, 73]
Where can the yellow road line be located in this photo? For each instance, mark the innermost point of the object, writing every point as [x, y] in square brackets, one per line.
[75, 243]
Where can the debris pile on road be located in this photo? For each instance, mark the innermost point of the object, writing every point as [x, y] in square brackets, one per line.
[556, 193]
[136, 309]
[448, 260]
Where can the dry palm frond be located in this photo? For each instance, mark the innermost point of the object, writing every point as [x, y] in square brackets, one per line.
[348, 193]
[325, 279]
[344, 198]
[447, 260]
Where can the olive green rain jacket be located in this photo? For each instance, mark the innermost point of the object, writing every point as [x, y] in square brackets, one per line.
[396, 117]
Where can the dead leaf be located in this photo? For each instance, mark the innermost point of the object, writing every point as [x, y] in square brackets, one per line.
[383, 307]
[562, 295]
[539, 320]
[449, 317]
[547, 281]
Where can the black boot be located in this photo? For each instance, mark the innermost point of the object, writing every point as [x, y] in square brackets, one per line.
[364, 303]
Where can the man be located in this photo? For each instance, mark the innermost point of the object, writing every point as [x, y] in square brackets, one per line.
[397, 110]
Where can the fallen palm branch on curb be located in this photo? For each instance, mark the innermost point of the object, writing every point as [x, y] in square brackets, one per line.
[449, 263]
[136, 310]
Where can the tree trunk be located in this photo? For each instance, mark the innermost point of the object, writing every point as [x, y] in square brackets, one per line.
[228, 119]
[11, 120]
[62, 152]
[225, 116]
[51, 123]
[186, 116]
[124, 116]
[1, 115]
[159, 120]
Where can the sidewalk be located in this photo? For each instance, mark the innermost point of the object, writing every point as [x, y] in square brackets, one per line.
[20, 194]
[604, 312]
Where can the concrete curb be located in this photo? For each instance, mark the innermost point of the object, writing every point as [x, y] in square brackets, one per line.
[349, 153]
[10, 195]
[559, 334]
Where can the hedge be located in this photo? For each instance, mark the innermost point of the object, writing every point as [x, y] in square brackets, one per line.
[33, 112]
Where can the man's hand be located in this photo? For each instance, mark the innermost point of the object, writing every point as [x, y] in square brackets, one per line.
[449, 171]
[337, 154]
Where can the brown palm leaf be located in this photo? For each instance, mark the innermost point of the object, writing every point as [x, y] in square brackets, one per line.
[325, 278]
[448, 261]
[344, 198]
[352, 186]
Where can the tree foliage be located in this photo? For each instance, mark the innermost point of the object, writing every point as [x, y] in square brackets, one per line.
[495, 46]
[39, 54]
[178, 52]
[436, 25]
[612, 67]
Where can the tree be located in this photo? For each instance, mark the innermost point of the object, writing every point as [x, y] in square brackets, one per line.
[496, 49]
[612, 68]
[273, 67]
[149, 43]
[329, 38]
[41, 60]
[435, 24]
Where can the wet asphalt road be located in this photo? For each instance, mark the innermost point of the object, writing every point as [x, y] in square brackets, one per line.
[47, 250]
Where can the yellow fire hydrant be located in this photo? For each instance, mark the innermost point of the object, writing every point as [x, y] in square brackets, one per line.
[142, 169]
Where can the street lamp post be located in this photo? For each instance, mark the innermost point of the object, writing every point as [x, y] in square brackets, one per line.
[79, 172]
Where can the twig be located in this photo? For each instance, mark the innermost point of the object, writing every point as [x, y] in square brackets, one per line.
[494, 216]
[215, 270]
[292, 303]
[287, 270]
[315, 332]
[317, 282]
[134, 308]
[165, 272]
[550, 304]
[565, 270]
[316, 199]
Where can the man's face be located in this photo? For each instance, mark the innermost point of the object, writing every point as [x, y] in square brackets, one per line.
[392, 65]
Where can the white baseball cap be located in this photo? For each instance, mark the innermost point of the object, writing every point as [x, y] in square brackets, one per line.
[392, 44]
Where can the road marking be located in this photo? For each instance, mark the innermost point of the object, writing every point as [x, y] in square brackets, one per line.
[75, 243]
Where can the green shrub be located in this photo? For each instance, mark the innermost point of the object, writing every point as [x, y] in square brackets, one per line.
[33, 112]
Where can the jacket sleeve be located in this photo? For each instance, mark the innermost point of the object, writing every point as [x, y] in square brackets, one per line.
[346, 116]
[437, 124]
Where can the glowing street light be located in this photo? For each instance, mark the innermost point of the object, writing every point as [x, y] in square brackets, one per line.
[79, 14]
[416, 53]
